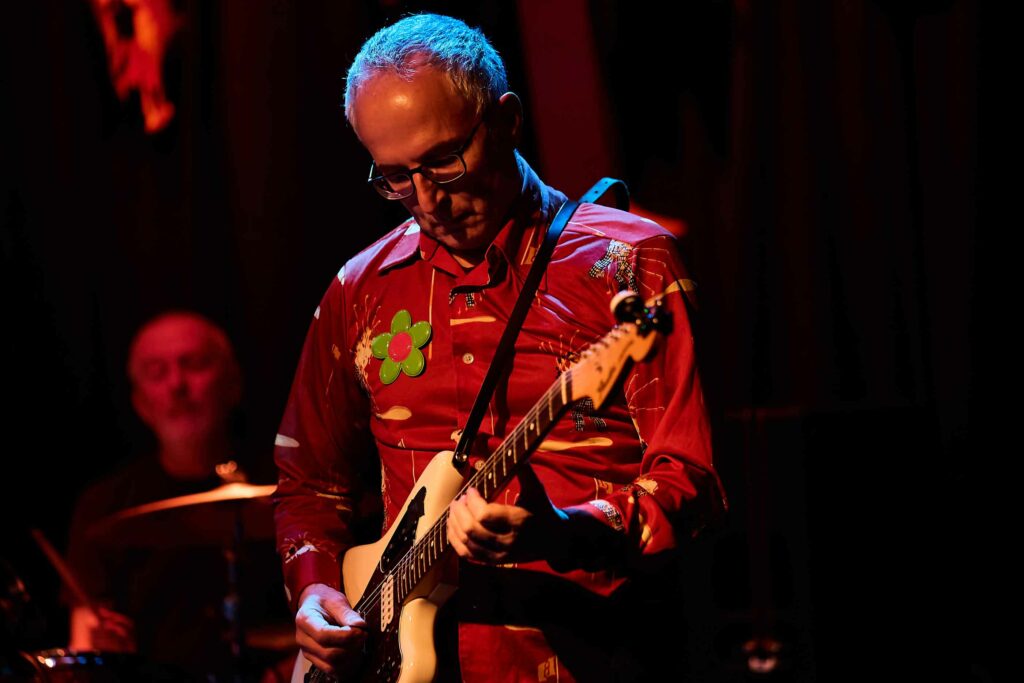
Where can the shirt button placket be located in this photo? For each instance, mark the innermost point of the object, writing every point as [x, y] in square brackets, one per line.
[464, 385]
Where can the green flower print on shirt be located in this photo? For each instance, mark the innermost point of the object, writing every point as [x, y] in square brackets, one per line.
[400, 348]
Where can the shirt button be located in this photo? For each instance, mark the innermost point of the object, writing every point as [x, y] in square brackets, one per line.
[467, 358]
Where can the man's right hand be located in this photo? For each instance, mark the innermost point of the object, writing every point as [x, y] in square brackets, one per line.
[330, 633]
[100, 628]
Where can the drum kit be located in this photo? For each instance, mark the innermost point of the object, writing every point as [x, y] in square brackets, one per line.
[226, 517]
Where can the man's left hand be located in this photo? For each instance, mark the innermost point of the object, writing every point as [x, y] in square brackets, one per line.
[493, 533]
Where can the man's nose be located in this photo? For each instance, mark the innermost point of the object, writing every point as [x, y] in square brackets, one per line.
[176, 378]
[428, 193]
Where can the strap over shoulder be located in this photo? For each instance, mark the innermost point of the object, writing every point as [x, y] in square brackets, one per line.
[515, 320]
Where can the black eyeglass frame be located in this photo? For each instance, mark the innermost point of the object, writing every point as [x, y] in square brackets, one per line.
[380, 182]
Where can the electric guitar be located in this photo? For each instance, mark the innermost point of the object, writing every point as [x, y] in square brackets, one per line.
[398, 583]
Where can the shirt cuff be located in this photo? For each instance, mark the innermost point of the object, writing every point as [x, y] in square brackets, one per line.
[603, 511]
[596, 538]
[308, 566]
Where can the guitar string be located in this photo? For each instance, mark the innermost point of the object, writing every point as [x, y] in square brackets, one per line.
[410, 557]
[372, 599]
[433, 535]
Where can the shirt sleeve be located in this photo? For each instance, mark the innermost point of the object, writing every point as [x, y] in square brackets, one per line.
[677, 490]
[322, 452]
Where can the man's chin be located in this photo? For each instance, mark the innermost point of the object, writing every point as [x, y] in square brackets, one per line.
[458, 237]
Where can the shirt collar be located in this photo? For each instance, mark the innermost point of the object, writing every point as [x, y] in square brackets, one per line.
[535, 207]
[404, 248]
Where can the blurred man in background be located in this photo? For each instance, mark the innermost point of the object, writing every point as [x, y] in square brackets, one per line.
[162, 593]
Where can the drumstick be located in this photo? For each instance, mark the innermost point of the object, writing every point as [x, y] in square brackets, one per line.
[66, 574]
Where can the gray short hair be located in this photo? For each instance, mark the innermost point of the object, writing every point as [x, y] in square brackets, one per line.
[464, 54]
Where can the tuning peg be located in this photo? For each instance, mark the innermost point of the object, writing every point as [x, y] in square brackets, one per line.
[627, 306]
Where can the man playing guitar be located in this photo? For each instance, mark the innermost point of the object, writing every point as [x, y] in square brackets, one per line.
[557, 571]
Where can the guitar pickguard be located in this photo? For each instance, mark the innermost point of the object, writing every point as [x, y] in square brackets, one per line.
[405, 532]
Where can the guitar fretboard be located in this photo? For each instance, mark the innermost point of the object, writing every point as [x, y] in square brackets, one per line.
[496, 472]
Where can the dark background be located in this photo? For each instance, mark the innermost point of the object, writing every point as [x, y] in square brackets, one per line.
[822, 159]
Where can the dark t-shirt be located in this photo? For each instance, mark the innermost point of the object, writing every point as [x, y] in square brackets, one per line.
[166, 570]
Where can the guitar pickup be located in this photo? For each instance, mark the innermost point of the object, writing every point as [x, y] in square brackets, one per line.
[387, 601]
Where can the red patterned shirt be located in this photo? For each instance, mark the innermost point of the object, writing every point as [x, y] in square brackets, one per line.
[641, 463]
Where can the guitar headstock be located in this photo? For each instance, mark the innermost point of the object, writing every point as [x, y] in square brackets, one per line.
[629, 307]
[599, 366]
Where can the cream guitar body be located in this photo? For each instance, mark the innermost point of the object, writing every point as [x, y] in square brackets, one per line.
[439, 484]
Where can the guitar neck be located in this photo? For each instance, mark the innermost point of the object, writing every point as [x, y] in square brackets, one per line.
[499, 468]
[399, 565]
[501, 465]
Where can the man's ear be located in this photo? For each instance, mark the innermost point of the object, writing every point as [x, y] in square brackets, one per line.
[510, 116]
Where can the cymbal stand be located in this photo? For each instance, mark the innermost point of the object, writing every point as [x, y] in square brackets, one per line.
[233, 600]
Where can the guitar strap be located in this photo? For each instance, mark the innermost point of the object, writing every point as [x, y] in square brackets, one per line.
[503, 353]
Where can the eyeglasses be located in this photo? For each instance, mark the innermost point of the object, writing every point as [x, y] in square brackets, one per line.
[443, 170]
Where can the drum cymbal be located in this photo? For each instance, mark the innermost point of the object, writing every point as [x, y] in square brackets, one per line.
[205, 518]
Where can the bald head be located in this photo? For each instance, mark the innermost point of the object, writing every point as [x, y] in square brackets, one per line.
[184, 376]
